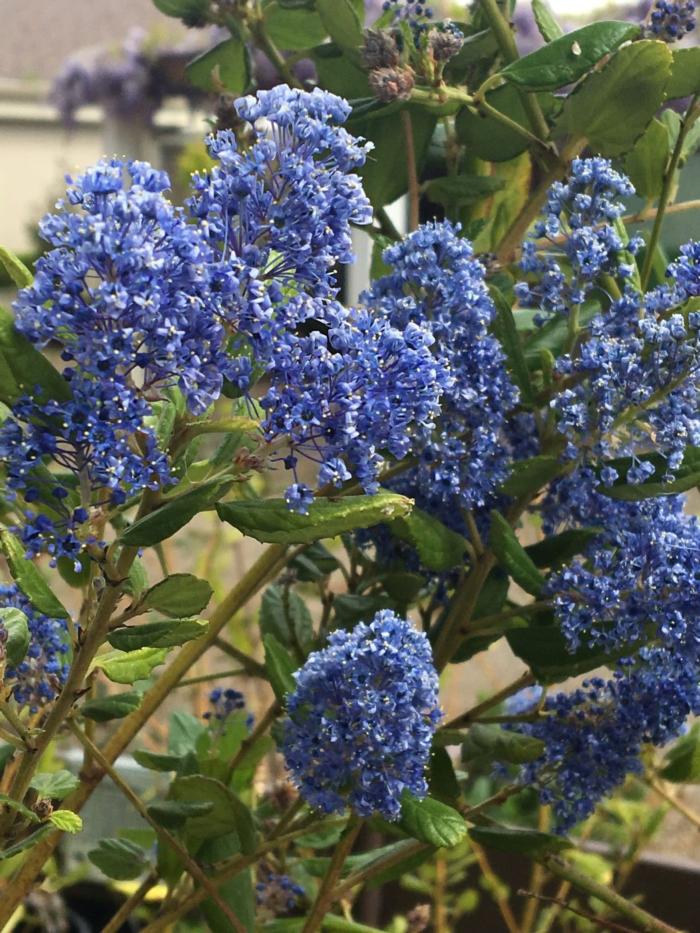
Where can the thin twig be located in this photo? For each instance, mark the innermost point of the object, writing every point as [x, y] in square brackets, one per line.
[192, 867]
[326, 893]
[130, 904]
[601, 922]
[413, 187]
[525, 680]
[500, 900]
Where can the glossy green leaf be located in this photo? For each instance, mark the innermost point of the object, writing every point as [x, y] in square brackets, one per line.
[126, 667]
[532, 474]
[165, 634]
[685, 73]
[179, 595]
[54, 785]
[507, 333]
[614, 106]
[520, 841]
[513, 557]
[439, 548]
[104, 709]
[546, 23]
[119, 859]
[280, 667]
[343, 21]
[28, 577]
[15, 268]
[431, 821]
[22, 367]
[226, 65]
[646, 162]
[293, 29]
[66, 821]
[283, 613]
[174, 514]
[73, 577]
[443, 781]
[14, 623]
[272, 521]
[682, 762]
[566, 59]
[687, 476]
[485, 743]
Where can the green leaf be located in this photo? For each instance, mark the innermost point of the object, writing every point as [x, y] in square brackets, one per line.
[488, 138]
[545, 651]
[283, 613]
[179, 595]
[54, 784]
[613, 107]
[18, 807]
[485, 743]
[532, 474]
[226, 65]
[73, 577]
[66, 821]
[166, 634]
[174, 514]
[119, 859]
[29, 579]
[293, 29]
[507, 333]
[173, 814]
[128, 667]
[521, 841]
[682, 761]
[15, 268]
[342, 21]
[646, 162]
[439, 548]
[431, 821]
[105, 709]
[16, 628]
[314, 564]
[685, 73]
[184, 733]
[513, 556]
[238, 891]
[558, 549]
[687, 477]
[228, 813]
[546, 23]
[22, 367]
[280, 667]
[457, 190]
[443, 780]
[566, 59]
[156, 762]
[271, 520]
[385, 173]
[137, 580]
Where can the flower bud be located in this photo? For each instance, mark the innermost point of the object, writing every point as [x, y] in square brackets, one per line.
[379, 50]
[445, 43]
[391, 84]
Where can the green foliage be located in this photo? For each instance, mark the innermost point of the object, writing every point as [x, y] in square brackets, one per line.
[431, 821]
[518, 841]
[513, 556]
[119, 859]
[484, 744]
[126, 667]
[438, 547]
[225, 67]
[174, 514]
[682, 762]
[104, 709]
[28, 577]
[14, 623]
[180, 595]
[271, 521]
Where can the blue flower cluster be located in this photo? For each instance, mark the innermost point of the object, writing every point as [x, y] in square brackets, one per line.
[632, 371]
[414, 11]
[362, 717]
[278, 894]
[594, 736]
[635, 593]
[671, 21]
[40, 675]
[436, 282]
[576, 241]
[346, 387]
[223, 703]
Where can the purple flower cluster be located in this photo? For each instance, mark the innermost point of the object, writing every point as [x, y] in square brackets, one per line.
[362, 717]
